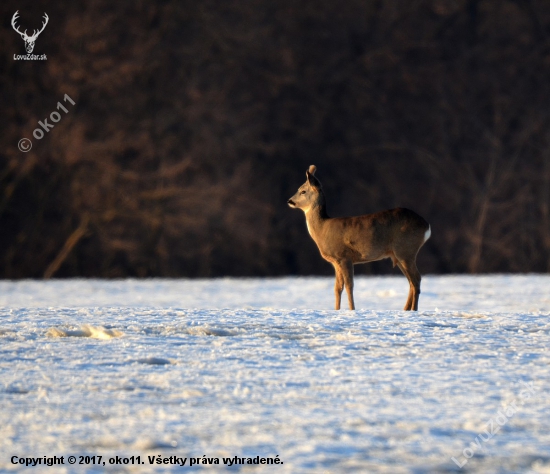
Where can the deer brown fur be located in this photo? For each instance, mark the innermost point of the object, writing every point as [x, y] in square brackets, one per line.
[344, 241]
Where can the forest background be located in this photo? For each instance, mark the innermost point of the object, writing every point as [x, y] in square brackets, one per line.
[194, 122]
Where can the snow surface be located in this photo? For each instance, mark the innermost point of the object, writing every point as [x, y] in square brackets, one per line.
[264, 367]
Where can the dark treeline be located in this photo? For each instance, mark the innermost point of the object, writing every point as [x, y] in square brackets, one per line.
[194, 122]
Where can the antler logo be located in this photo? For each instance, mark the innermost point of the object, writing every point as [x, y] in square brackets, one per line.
[29, 40]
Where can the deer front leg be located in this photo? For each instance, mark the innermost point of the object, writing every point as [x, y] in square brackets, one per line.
[346, 271]
[338, 286]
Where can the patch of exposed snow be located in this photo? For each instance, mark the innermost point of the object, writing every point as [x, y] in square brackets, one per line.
[246, 367]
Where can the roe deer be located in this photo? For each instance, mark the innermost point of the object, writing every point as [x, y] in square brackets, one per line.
[344, 241]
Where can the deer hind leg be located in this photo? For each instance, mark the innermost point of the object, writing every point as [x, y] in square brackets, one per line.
[408, 267]
[338, 286]
[408, 304]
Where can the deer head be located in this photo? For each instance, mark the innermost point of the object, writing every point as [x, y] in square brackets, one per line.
[29, 40]
[310, 194]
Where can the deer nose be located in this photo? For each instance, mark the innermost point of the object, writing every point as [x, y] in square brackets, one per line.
[291, 202]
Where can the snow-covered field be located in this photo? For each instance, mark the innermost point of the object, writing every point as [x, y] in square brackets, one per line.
[213, 369]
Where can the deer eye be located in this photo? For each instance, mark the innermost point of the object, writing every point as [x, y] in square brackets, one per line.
[303, 192]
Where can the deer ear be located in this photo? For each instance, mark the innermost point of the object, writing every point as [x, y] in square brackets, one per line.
[311, 179]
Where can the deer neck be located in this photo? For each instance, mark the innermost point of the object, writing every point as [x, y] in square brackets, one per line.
[316, 215]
